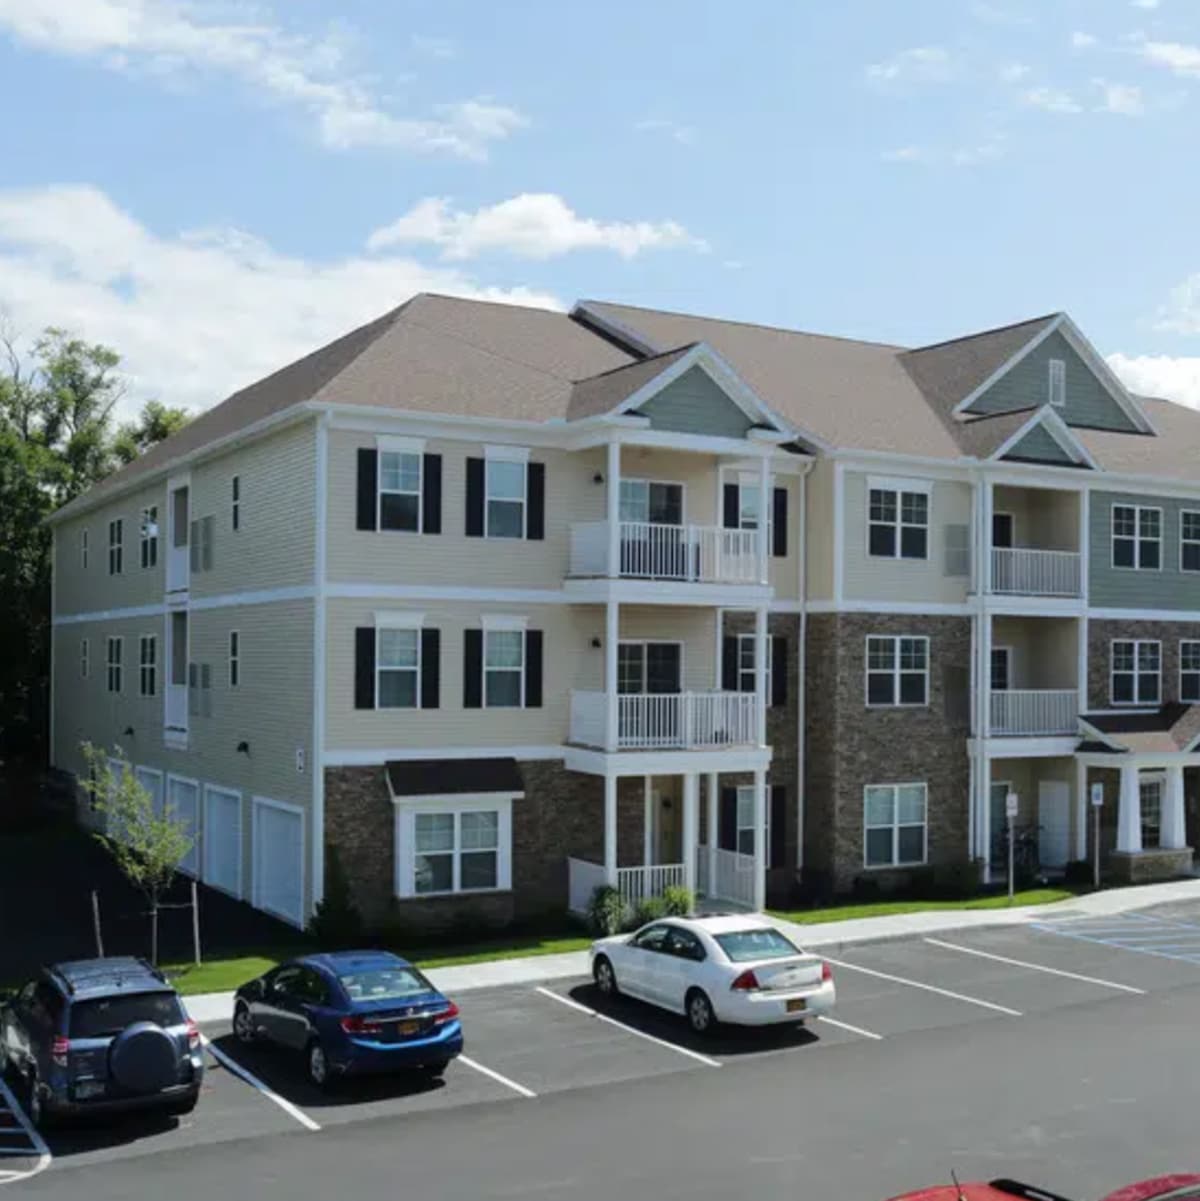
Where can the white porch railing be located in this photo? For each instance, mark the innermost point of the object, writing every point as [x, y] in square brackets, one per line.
[637, 884]
[663, 721]
[1034, 712]
[177, 707]
[583, 878]
[1023, 571]
[647, 551]
[733, 879]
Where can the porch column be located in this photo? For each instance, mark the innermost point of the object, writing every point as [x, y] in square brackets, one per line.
[985, 671]
[1082, 805]
[1172, 831]
[987, 500]
[610, 829]
[714, 818]
[1129, 812]
[648, 823]
[760, 841]
[691, 821]
[761, 651]
[613, 508]
[984, 815]
[612, 636]
[764, 501]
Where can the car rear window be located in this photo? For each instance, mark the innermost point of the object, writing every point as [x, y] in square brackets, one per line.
[106, 1016]
[740, 945]
[384, 984]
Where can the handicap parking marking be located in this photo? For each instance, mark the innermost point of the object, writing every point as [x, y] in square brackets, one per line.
[1035, 967]
[231, 1065]
[34, 1145]
[1140, 933]
[923, 986]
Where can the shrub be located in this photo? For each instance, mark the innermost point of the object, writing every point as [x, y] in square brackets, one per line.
[650, 909]
[865, 888]
[957, 881]
[606, 911]
[1078, 873]
[678, 900]
[336, 921]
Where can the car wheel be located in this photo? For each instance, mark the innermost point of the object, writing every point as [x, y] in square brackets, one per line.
[700, 1012]
[434, 1070]
[604, 976]
[243, 1023]
[319, 1071]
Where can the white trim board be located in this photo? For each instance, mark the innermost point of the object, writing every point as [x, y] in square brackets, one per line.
[373, 756]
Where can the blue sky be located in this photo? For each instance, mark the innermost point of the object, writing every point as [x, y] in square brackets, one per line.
[215, 188]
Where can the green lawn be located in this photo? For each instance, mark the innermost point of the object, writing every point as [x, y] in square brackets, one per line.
[842, 913]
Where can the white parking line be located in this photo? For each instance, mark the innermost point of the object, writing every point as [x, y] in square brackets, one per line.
[517, 1088]
[945, 992]
[11, 1176]
[853, 1029]
[603, 1017]
[1035, 967]
[250, 1078]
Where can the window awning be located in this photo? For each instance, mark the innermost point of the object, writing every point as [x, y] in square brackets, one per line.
[453, 777]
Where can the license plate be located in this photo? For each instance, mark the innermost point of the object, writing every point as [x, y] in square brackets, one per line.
[407, 1028]
[88, 1088]
[797, 1005]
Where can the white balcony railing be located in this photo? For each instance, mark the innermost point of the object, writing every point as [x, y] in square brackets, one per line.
[733, 879]
[675, 720]
[705, 554]
[1035, 712]
[177, 707]
[1023, 571]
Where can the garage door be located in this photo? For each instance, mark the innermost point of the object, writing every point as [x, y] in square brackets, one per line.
[223, 839]
[279, 860]
[184, 798]
[152, 781]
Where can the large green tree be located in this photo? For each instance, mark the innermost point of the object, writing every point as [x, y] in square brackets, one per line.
[57, 438]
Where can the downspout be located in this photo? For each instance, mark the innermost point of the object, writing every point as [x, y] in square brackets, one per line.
[802, 665]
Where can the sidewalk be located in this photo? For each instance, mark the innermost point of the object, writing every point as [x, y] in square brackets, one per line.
[214, 1007]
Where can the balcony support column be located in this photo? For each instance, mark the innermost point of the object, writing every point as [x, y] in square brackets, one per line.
[987, 501]
[1129, 811]
[612, 636]
[764, 509]
[711, 833]
[613, 508]
[610, 830]
[760, 841]
[761, 651]
[648, 855]
[1172, 830]
[691, 823]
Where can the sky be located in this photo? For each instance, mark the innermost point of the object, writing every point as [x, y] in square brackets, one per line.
[215, 188]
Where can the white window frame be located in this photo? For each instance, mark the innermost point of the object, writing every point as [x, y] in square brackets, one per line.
[83, 549]
[148, 545]
[896, 826]
[1057, 383]
[520, 458]
[1137, 644]
[116, 546]
[1189, 642]
[405, 829]
[897, 672]
[627, 480]
[1136, 537]
[900, 488]
[235, 658]
[258, 803]
[114, 664]
[747, 481]
[1155, 779]
[743, 791]
[644, 643]
[742, 670]
[400, 446]
[1184, 513]
[85, 659]
[492, 628]
[235, 503]
[151, 641]
[241, 841]
[413, 626]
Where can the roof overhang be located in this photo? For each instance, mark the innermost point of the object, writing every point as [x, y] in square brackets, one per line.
[412, 780]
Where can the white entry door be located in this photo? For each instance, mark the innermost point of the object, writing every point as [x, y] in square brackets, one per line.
[279, 860]
[184, 798]
[223, 840]
[1054, 821]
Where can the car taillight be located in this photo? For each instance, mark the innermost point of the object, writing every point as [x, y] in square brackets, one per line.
[447, 1015]
[60, 1049]
[359, 1025]
[826, 972]
[746, 982]
[193, 1032]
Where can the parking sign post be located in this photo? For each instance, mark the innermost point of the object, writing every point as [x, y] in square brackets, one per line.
[1010, 812]
[1097, 805]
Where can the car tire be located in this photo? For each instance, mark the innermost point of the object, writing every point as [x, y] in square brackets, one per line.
[700, 1013]
[243, 1024]
[604, 976]
[317, 1066]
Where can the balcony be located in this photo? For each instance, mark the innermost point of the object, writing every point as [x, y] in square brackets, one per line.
[667, 721]
[1035, 712]
[701, 554]
[1023, 571]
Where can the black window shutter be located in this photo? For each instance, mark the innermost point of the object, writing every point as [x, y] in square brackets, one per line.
[473, 666]
[779, 518]
[368, 486]
[533, 669]
[778, 826]
[730, 506]
[474, 498]
[727, 839]
[431, 498]
[431, 676]
[535, 517]
[364, 667]
[729, 664]
[779, 691]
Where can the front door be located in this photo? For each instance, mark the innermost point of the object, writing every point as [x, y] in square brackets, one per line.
[1054, 823]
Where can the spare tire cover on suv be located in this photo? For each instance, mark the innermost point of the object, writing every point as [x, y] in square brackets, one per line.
[144, 1058]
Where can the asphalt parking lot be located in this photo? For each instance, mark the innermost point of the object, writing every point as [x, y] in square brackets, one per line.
[527, 1043]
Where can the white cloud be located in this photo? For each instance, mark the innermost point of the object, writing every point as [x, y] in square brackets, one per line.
[1176, 378]
[1013, 72]
[1178, 57]
[195, 314]
[533, 225]
[921, 64]
[685, 135]
[174, 39]
[1181, 313]
[1052, 100]
[1082, 41]
[433, 47]
[1122, 98]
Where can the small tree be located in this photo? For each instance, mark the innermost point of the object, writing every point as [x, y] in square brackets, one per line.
[147, 846]
[336, 922]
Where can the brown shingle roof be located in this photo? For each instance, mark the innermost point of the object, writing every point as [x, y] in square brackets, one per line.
[603, 393]
[1171, 728]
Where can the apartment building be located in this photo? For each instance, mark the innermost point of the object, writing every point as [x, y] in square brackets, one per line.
[501, 604]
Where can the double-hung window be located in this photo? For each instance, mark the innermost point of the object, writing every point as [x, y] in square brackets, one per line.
[651, 503]
[399, 490]
[503, 669]
[504, 498]
[116, 531]
[1189, 540]
[1137, 537]
[745, 820]
[459, 849]
[894, 824]
[1057, 394]
[1150, 794]
[897, 522]
[113, 664]
[149, 530]
[147, 665]
[897, 670]
[1189, 671]
[746, 675]
[397, 668]
[1135, 673]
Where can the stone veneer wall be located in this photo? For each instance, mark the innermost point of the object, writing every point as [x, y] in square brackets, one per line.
[849, 746]
[1102, 632]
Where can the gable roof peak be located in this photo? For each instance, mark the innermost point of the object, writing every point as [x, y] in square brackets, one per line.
[1030, 323]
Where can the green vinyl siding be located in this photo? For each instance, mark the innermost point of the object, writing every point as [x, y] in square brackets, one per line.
[1088, 402]
[696, 404]
[1129, 588]
[1039, 447]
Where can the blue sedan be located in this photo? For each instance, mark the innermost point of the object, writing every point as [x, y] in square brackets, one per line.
[351, 1013]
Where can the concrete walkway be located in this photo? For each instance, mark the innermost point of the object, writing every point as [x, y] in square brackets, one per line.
[215, 1007]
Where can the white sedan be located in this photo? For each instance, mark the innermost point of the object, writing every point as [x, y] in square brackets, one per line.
[736, 969]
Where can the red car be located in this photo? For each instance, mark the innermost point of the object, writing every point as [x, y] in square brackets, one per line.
[1182, 1186]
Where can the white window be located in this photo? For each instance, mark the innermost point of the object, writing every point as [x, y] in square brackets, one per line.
[235, 503]
[1136, 537]
[745, 820]
[83, 549]
[113, 664]
[1189, 540]
[235, 657]
[149, 531]
[1135, 672]
[397, 668]
[504, 498]
[399, 490]
[746, 675]
[651, 502]
[894, 824]
[85, 664]
[147, 665]
[1150, 793]
[459, 845]
[1058, 383]
[897, 670]
[897, 523]
[503, 669]
[116, 534]
[1189, 671]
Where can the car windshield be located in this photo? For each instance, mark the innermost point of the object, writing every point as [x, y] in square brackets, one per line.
[384, 984]
[106, 1016]
[740, 945]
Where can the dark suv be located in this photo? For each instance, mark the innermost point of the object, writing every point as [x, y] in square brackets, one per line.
[97, 1035]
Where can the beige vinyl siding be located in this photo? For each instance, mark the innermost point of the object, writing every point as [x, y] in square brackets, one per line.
[1043, 518]
[910, 580]
[569, 662]
[275, 542]
[1043, 651]
[85, 591]
[784, 572]
[819, 531]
